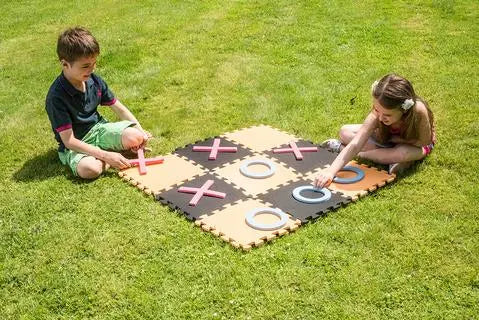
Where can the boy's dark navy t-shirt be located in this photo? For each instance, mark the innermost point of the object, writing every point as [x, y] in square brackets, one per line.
[69, 108]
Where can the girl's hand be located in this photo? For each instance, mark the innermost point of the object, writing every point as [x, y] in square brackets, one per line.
[324, 178]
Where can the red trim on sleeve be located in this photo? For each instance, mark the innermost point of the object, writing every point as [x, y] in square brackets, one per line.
[63, 128]
[109, 103]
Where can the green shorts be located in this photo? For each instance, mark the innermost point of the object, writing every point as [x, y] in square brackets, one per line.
[105, 135]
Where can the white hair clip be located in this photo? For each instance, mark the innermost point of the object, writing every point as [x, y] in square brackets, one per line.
[407, 104]
[373, 86]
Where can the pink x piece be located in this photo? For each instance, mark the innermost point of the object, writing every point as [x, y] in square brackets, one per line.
[214, 149]
[200, 192]
[141, 162]
[297, 151]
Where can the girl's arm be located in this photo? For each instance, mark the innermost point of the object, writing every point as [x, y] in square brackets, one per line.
[424, 130]
[325, 176]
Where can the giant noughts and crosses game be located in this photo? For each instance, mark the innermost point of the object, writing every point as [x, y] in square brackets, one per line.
[251, 185]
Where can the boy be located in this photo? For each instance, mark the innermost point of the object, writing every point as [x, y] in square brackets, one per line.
[83, 135]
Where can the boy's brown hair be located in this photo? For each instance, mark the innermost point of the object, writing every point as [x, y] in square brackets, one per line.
[75, 43]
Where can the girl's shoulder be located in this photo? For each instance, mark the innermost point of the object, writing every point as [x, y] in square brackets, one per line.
[422, 107]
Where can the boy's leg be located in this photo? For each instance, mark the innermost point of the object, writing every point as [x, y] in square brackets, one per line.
[82, 165]
[90, 168]
[400, 153]
[131, 138]
[118, 136]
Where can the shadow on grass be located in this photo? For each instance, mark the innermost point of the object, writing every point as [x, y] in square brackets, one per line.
[46, 166]
[41, 167]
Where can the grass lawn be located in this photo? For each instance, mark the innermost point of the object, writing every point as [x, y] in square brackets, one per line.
[188, 70]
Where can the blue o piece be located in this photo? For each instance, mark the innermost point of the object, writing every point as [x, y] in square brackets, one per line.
[359, 175]
[266, 227]
[297, 194]
[245, 171]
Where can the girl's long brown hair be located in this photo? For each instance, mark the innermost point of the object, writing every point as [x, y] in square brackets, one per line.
[390, 92]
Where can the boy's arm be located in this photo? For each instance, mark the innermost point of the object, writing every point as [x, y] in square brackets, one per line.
[124, 114]
[114, 159]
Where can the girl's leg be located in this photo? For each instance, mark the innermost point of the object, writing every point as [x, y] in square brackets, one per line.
[347, 133]
[401, 153]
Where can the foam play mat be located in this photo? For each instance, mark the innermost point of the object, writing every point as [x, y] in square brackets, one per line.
[251, 185]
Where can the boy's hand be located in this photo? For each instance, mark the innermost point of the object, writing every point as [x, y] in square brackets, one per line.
[116, 160]
[324, 178]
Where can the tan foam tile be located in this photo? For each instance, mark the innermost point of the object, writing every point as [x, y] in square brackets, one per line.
[230, 224]
[372, 180]
[162, 176]
[252, 186]
[260, 138]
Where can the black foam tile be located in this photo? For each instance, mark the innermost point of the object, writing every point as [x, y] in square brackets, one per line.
[221, 158]
[310, 161]
[283, 199]
[180, 201]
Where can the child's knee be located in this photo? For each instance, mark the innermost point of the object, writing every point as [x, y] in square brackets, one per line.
[132, 137]
[89, 168]
[346, 133]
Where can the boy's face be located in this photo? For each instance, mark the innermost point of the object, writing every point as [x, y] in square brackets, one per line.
[79, 70]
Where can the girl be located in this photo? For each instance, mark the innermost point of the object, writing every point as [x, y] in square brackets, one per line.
[398, 131]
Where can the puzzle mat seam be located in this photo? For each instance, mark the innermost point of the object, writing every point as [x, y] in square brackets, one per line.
[338, 192]
[172, 206]
[220, 166]
[258, 126]
[130, 180]
[159, 198]
[180, 182]
[364, 192]
[193, 143]
[229, 181]
[126, 178]
[206, 227]
[253, 196]
[309, 172]
[333, 207]
[234, 185]
[192, 162]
